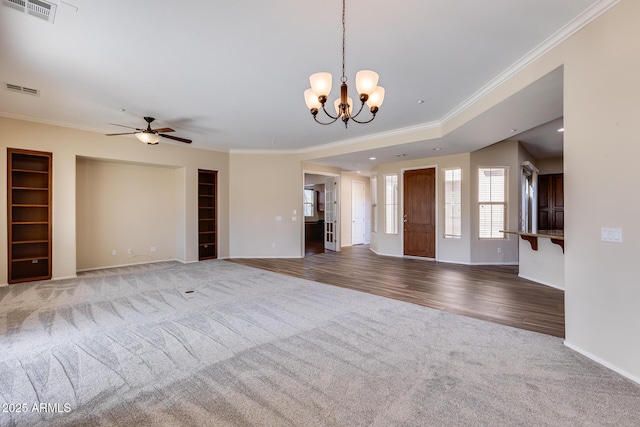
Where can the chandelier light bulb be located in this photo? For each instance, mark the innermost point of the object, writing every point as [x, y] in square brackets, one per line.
[366, 82]
[321, 83]
[376, 98]
[312, 99]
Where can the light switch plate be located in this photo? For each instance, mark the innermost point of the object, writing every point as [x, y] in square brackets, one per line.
[613, 235]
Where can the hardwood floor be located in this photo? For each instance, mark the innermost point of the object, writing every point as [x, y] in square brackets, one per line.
[493, 293]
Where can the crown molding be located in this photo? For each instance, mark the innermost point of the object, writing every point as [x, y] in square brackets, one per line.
[582, 20]
[368, 138]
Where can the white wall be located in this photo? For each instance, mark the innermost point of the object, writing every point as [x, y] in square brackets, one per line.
[601, 151]
[263, 187]
[546, 265]
[550, 166]
[121, 206]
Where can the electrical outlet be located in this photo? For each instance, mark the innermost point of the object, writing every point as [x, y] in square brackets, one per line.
[153, 249]
[129, 251]
[499, 250]
[113, 252]
[273, 245]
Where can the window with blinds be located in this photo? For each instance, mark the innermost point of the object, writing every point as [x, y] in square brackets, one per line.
[391, 204]
[492, 190]
[374, 204]
[452, 203]
[308, 202]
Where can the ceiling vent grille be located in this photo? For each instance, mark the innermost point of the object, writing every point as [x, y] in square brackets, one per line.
[38, 8]
[22, 89]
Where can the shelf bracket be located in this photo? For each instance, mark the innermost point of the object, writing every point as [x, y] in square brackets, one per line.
[533, 241]
[559, 242]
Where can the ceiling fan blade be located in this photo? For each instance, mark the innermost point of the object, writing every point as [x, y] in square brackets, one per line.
[163, 130]
[187, 141]
[115, 134]
[123, 126]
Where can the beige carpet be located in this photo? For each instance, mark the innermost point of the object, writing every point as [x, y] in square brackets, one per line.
[130, 346]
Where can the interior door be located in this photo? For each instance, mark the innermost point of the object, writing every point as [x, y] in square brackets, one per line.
[330, 214]
[357, 213]
[419, 219]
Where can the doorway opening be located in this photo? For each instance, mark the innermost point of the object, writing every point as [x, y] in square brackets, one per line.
[321, 197]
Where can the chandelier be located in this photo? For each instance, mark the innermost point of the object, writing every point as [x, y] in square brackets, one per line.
[366, 84]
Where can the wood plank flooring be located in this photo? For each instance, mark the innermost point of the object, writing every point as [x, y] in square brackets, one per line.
[493, 293]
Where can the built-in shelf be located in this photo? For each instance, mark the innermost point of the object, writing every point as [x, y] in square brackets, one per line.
[207, 212]
[29, 215]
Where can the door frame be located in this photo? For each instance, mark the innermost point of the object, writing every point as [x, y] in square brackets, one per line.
[338, 216]
[401, 205]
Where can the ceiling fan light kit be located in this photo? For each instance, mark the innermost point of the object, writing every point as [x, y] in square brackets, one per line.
[150, 136]
[366, 84]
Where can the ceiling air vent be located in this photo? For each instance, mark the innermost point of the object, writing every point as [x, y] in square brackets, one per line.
[38, 8]
[22, 89]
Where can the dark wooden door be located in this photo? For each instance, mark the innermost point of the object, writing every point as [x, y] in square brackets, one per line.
[419, 221]
[551, 202]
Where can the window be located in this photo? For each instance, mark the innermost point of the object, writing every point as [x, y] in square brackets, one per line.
[492, 186]
[308, 202]
[374, 204]
[391, 204]
[452, 203]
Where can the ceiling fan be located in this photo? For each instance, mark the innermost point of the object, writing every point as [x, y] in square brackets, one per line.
[148, 135]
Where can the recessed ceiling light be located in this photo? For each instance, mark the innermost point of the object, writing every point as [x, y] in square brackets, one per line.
[513, 130]
[372, 158]
[273, 142]
[122, 110]
[357, 171]
[421, 101]
[561, 130]
[437, 149]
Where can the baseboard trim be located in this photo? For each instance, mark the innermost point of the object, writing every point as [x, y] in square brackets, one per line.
[266, 257]
[74, 276]
[602, 362]
[542, 282]
[494, 263]
[383, 254]
[446, 261]
[128, 265]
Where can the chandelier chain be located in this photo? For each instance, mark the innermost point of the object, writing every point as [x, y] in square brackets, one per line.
[344, 77]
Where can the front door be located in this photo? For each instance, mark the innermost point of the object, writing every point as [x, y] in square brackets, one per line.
[419, 221]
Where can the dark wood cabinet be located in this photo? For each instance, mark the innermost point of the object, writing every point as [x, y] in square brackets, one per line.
[29, 215]
[551, 202]
[207, 224]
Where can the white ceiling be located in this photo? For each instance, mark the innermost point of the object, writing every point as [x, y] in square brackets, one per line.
[230, 75]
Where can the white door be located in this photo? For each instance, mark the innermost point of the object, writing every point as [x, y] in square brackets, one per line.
[331, 214]
[357, 213]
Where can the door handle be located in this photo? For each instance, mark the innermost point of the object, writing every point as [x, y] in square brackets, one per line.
[404, 220]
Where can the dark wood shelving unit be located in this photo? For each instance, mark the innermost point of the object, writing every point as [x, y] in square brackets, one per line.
[207, 204]
[29, 215]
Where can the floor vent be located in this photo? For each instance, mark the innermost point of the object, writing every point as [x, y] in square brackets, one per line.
[38, 8]
[22, 89]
